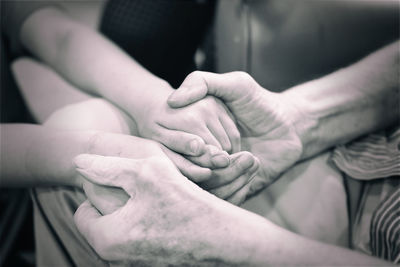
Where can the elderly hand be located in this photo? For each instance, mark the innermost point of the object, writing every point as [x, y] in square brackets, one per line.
[230, 182]
[167, 219]
[267, 121]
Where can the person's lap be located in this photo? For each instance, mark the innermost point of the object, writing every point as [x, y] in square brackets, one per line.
[309, 199]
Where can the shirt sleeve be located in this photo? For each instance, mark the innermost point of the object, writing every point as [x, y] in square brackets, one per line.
[13, 15]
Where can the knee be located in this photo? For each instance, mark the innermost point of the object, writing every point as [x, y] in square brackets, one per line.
[92, 114]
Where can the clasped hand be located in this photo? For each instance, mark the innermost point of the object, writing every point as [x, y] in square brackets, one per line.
[165, 220]
[267, 121]
[197, 138]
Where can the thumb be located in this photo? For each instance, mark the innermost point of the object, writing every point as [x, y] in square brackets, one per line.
[229, 87]
[193, 89]
[109, 171]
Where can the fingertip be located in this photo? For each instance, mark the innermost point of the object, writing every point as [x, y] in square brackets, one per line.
[199, 174]
[85, 212]
[175, 100]
[245, 160]
[83, 161]
[256, 165]
[196, 147]
[226, 145]
[221, 160]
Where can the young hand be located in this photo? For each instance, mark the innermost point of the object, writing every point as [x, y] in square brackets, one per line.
[183, 130]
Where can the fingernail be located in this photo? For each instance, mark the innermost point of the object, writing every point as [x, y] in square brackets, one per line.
[83, 161]
[220, 160]
[194, 146]
[245, 162]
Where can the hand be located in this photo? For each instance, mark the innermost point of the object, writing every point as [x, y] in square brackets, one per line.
[233, 182]
[266, 120]
[166, 219]
[229, 181]
[183, 130]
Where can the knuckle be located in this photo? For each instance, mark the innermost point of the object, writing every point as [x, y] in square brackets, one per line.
[192, 115]
[126, 171]
[202, 106]
[210, 101]
[243, 76]
[155, 166]
[198, 175]
[245, 79]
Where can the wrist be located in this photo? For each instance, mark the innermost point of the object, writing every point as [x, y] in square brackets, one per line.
[237, 237]
[153, 93]
[52, 164]
[304, 121]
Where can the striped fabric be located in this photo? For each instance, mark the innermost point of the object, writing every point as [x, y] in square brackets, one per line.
[375, 156]
[376, 160]
[385, 229]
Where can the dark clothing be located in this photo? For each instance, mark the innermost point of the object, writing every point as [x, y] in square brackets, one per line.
[161, 35]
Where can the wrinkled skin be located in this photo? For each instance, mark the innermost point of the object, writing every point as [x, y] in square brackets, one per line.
[231, 183]
[166, 220]
[265, 119]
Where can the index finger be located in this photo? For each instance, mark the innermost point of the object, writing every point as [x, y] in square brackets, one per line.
[241, 163]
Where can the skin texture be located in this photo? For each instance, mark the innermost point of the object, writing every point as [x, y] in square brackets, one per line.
[266, 234]
[230, 183]
[240, 166]
[70, 47]
[282, 128]
[234, 237]
[210, 232]
[265, 122]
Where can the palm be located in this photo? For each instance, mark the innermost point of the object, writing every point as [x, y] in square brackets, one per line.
[267, 132]
[265, 119]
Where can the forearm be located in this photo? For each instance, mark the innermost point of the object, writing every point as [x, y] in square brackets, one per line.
[89, 60]
[35, 155]
[348, 103]
[248, 239]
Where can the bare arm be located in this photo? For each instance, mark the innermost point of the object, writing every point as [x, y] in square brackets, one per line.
[211, 232]
[34, 155]
[87, 59]
[359, 99]
[283, 128]
[93, 63]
